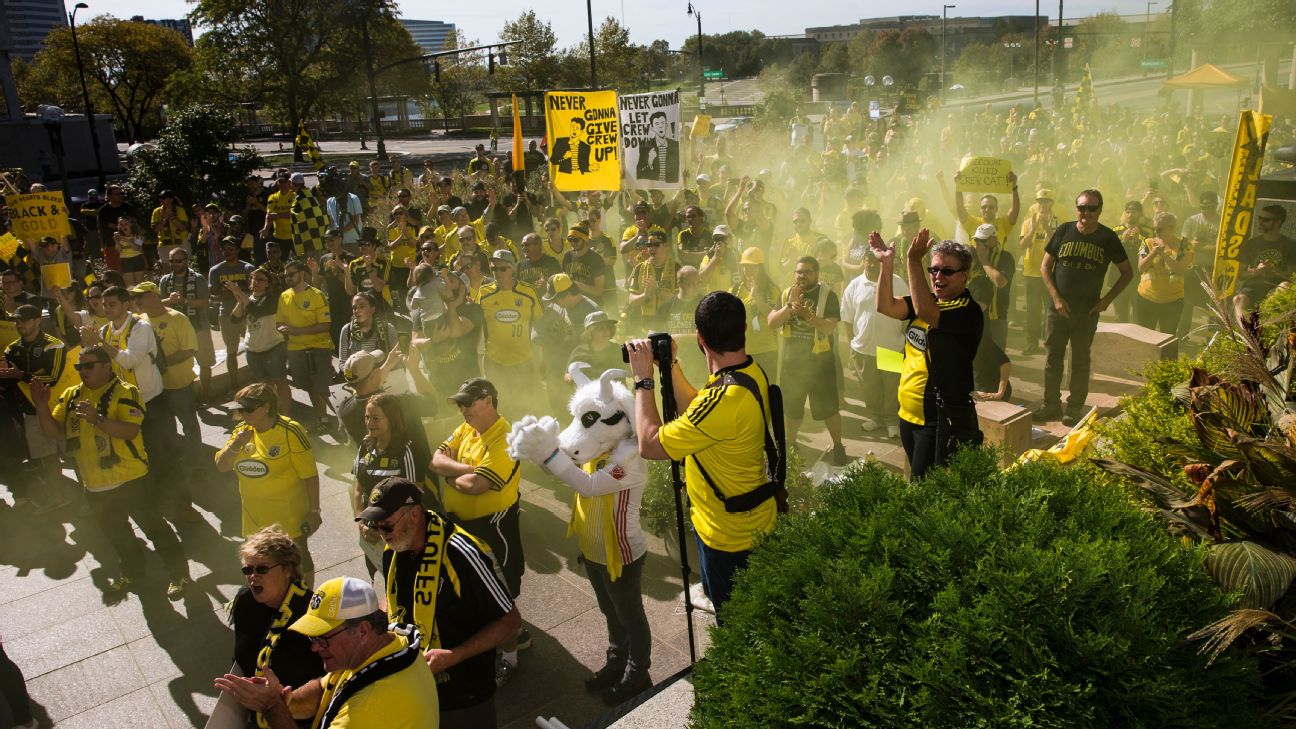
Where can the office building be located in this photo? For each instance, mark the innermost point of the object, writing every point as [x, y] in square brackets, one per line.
[28, 22]
[430, 35]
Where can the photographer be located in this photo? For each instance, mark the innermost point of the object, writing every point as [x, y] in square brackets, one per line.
[720, 436]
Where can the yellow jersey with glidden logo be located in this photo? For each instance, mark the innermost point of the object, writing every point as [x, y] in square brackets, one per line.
[508, 318]
[272, 469]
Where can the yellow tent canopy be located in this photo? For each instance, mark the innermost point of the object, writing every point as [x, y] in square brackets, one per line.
[1206, 76]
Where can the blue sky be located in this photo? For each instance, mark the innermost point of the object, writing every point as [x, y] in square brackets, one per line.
[667, 19]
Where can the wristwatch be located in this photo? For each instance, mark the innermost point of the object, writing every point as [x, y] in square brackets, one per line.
[646, 383]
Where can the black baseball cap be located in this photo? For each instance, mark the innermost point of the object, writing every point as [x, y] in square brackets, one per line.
[27, 311]
[473, 390]
[388, 497]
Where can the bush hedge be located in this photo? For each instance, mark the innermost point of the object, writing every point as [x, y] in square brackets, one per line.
[1036, 597]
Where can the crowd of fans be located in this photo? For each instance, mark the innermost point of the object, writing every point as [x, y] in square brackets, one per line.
[481, 286]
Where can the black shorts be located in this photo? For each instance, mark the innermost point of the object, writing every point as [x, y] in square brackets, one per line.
[814, 377]
[501, 533]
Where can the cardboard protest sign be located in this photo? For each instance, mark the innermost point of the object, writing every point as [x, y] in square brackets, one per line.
[983, 174]
[650, 139]
[56, 276]
[38, 214]
[584, 140]
[701, 126]
[8, 246]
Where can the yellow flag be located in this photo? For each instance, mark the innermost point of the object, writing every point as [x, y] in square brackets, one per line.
[1239, 199]
[584, 130]
[308, 146]
[519, 154]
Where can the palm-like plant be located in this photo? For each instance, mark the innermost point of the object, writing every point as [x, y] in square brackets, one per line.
[1244, 467]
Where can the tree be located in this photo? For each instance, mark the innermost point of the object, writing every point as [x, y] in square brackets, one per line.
[534, 63]
[835, 59]
[460, 80]
[906, 55]
[620, 63]
[299, 55]
[128, 65]
[193, 158]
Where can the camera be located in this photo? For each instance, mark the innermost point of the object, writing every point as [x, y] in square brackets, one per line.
[661, 349]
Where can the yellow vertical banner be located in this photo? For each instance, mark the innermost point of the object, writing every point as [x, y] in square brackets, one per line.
[1239, 198]
[38, 214]
[584, 131]
[519, 154]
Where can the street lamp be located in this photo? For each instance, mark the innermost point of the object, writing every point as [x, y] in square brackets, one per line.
[85, 96]
[1011, 46]
[701, 73]
[1147, 22]
[944, 17]
[589, 14]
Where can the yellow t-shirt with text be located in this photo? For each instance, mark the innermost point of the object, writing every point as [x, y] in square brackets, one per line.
[176, 333]
[272, 468]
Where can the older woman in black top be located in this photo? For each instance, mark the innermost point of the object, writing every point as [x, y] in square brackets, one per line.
[944, 328]
[275, 596]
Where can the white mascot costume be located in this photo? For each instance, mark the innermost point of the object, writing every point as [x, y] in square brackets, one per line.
[598, 456]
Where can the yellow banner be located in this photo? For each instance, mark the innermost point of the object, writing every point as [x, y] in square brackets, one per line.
[701, 126]
[1239, 198]
[584, 130]
[983, 174]
[38, 214]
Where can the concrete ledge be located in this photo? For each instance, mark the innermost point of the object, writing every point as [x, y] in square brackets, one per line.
[1006, 426]
[1120, 350]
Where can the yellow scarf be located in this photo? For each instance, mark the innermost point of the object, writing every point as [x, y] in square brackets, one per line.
[587, 508]
[276, 631]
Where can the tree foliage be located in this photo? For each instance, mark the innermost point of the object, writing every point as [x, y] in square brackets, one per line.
[905, 55]
[461, 80]
[533, 65]
[194, 159]
[621, 65]
[297, 56]
[128, 65]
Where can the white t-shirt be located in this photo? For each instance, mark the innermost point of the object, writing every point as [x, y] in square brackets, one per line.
[872, 329]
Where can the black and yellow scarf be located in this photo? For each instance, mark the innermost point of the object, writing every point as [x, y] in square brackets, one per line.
[277, 628]
[337, 694]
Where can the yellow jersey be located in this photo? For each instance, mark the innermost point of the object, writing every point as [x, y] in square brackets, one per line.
[508, 317]
[401, 242]
[487, 453]
[176, 230]
[724, 430]
[406, 699]
[305, 308]
[271, 469]
[1003, 229]
[281, 202]
[176, 333]
[104, 463]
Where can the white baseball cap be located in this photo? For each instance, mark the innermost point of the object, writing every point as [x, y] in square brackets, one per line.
[986, 231]
[335, 602]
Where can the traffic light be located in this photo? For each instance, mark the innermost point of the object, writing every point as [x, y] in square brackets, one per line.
[490, 62]
[503, 58]
[436, 71]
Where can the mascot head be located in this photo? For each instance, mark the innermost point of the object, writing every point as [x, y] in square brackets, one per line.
[602, 414]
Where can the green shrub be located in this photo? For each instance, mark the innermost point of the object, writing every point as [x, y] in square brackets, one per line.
[1036, 597]
[1151, 413]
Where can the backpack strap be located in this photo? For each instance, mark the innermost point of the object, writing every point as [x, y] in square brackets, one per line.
[775, 450]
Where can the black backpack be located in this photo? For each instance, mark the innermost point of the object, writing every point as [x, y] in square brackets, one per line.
[775, 451]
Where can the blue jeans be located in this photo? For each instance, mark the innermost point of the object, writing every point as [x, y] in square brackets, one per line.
[621, 602]
[717, 569]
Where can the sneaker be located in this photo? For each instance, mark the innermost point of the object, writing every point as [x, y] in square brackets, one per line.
[627, 688]
[503, 670]
[1072, 417]
[523, 639]
[30, 724]
[893, 431]
[1048, 412]
[838, 456]
[176, 588]
[606, 677]
[321, 427]
[868, 425]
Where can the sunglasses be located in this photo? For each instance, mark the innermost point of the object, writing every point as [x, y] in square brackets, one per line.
[83, 366]
[1088, 208]
[944, 270]
[657, 244]
[248, 570]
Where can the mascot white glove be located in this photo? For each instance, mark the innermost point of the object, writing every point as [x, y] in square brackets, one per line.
[533, 439]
